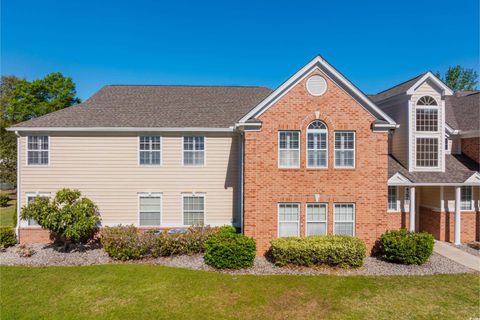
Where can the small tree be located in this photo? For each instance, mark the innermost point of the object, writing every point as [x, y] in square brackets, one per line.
[459, 78]
[70, 217]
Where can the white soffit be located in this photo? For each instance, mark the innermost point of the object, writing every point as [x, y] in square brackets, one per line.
[446, 91]
[398, 178]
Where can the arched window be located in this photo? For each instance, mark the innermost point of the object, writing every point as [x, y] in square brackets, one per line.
[317, 145]
[426, 114]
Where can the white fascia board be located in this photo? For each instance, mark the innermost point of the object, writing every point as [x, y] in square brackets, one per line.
[469, 134]
[446, 91]
[474, 178]
[117, 129]
[435, 184]
[399, 179]
[450, 130]
[300, 75]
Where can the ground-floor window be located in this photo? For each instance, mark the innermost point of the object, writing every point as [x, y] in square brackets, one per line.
[30, 197]
[466, 198]
[193, 209]
[149, 209]
[344, 219]
[288, 219]
[392, 198]
[316, 219]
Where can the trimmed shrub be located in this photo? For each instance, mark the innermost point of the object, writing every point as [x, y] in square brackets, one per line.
[332, 250]
[190, 242]
[125, 242]
[4, 198]
[229, 250]
[8, 237]
[402, 246]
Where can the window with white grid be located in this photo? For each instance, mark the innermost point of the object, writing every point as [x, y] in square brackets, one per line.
[150, 206]
[30, 197]
[466, 198]
[150, 150]
[344, 219]
[193, 210]
[289, 149]
[288, 219]
[427, 119]
[193, 150]
[37, 150]
[392, 198]
[345, 149]
[317, 145]
[427, 152]
[316, 219]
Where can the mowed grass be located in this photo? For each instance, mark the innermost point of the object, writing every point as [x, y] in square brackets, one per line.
[156, 292]
[7, 214]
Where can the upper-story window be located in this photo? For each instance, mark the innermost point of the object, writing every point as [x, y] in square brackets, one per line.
[150, 150]
[289, 149]
[427, 152]
[37, 150]
[345, 149]
[426, 115]
[317, 145]
[193, 150]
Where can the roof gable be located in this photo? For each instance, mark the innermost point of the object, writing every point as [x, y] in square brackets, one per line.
[318, 63]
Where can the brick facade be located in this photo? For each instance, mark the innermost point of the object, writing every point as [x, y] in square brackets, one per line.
[442, 224]
[34, 235]
[471, 148]
[266, 185]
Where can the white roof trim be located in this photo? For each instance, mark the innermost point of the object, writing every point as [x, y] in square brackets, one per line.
[301, 74]
[398, 178]
[118, 129]
[474, 178]
[446, 91]
[469, 133]
[450, 130]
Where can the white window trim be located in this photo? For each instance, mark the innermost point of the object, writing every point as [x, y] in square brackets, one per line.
[427, 136]
[354, 151]
[26, 151]
[397, 207]
[149, 194]
[204, 151]
[417, 107]
[326, 216]
[307, 149]
[278, 218]
[354, 216]
[35, 194]
[195, 194]
[472, 201]
[278, 147]
[161, 152]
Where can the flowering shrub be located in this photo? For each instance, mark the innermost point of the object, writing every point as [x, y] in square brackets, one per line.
[125, 242]
[189, 242]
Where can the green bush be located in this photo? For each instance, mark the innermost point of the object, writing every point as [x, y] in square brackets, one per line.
[229, 250]
[190, 242]
[406, 247]
[7, 237]
[4, 198]
[69, 216]
[332, 250]
[125, 242]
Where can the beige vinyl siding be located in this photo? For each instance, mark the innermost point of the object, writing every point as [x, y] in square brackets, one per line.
[105, 168]
[449, 198]
[430, 197]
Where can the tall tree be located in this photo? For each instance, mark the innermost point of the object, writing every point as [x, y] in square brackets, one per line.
[459, 78]
[22, 100]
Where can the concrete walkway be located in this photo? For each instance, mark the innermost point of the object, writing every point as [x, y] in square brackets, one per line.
[457, 255]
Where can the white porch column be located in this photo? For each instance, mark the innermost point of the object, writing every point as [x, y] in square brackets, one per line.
[457, 215]
[412, 208]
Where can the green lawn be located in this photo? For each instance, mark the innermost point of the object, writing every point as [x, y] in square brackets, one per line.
[7, 215]
[155, 292]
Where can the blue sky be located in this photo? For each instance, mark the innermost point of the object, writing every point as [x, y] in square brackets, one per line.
[376, 44]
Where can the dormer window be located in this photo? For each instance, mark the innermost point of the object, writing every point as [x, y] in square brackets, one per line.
[427, 115]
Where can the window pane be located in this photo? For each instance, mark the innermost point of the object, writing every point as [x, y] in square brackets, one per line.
[288, 229]
[150, 204]
[193, 210]
[466, 198]
[344, 149]
[316, 228]
[392, 198]
[37, 150]
[149, 218]
[427, 120]
[427, 152]
[344, 228]
[344, 212]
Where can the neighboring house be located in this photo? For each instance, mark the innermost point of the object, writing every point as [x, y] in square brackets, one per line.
[314, 156]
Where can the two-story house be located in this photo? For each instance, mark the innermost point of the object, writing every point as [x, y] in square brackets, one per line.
[314, 156]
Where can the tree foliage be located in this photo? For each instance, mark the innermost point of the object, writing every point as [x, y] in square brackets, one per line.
[459, 78]
[69, 216]
[22, 100]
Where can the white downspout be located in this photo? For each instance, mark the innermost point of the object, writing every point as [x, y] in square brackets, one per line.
[241, 181]
[19, 194]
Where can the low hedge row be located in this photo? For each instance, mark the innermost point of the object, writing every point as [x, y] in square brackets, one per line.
[8, 237]
[402, 246]
[332, 250]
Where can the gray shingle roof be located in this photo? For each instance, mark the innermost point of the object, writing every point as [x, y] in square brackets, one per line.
[458, 168]
[157, 106]
[393, 91]
[462, 110]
